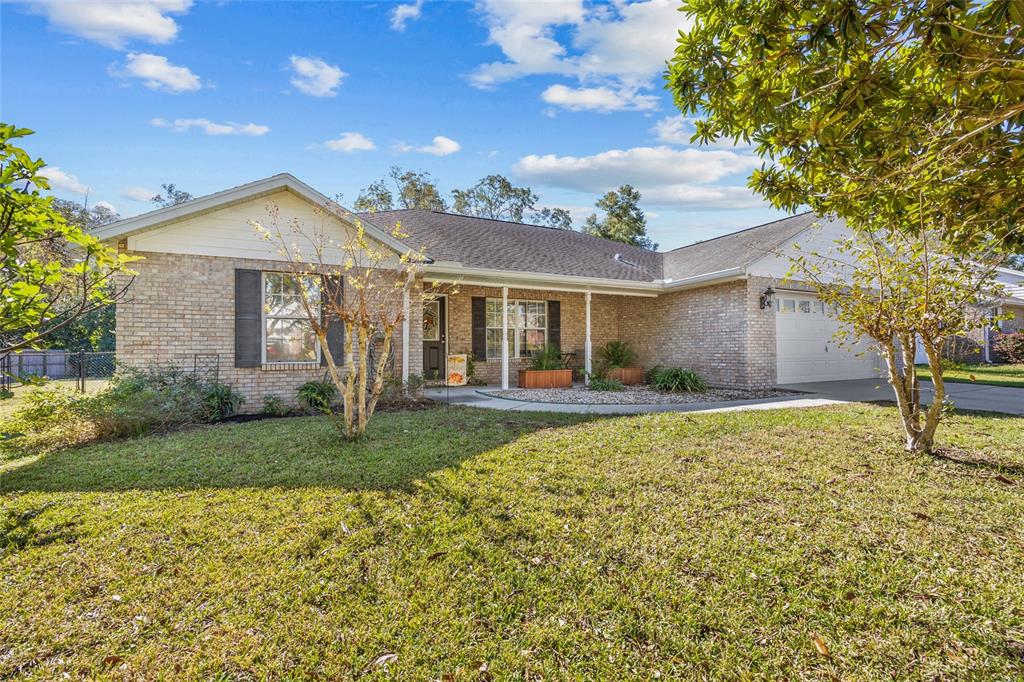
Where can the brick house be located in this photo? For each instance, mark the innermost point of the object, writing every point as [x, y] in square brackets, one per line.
[209, 286]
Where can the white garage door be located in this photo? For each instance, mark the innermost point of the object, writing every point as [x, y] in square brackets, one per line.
[806, 349]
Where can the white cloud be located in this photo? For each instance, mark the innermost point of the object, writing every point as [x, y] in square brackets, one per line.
[650, 166]
[441, 146]
[115, 23]
[315, 77]
[107, 205]
[402, 14]
[620, 47]
[181, 125]
[673, 178]
[351, 142]
[679, 130]
[702, 197]
[138, 193]
[157, 73]
[60, 179]
[632, 45]
[601, 99]
[525, 32]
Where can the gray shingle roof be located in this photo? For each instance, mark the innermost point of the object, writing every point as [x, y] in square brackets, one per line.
[736, 249]
[502, 245]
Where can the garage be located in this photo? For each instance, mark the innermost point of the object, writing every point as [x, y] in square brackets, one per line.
[806, 349]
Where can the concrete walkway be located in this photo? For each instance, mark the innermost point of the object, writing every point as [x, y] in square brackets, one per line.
[965, 396]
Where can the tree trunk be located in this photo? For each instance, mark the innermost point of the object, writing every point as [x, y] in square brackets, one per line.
[364, 355]
[933, 415]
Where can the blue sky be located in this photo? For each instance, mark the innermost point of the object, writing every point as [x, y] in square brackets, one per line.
[565, 97]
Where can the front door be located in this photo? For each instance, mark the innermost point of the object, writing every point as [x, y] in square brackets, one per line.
[434, 330]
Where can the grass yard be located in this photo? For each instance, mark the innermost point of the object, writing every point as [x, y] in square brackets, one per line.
[465, 544]
[994, 375]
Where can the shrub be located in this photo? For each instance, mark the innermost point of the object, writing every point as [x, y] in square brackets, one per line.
[135, 401]
[677, 379]
[220, 401]
[318, 395]
[547, 358]
[414, 385]
[274, 405]
[616, 354]
[1011, 347]
[598, 383]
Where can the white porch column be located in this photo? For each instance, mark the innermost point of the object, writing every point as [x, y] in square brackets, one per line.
[504, 338]
[587, 364]
[405, 336]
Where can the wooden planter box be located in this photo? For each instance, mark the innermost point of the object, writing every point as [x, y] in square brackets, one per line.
[627, 375]
[545, 378]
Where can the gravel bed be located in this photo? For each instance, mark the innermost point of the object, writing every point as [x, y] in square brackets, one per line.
[632, 395]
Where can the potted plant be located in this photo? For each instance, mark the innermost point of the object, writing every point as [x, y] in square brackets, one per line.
[617, 360]
[547, 370]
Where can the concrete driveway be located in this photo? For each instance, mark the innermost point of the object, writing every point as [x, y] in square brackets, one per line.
[964, 396]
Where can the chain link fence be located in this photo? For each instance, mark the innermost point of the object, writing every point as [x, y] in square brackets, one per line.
[85, 370]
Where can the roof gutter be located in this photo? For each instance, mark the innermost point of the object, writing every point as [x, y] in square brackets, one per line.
[706, 278]
[455, 273]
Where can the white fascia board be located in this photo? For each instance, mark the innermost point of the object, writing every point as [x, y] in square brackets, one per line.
[253, 190]
[705, 279]
[450, 272]
[455, 273]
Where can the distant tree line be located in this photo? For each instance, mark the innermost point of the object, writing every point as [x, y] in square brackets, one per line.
[496, 198]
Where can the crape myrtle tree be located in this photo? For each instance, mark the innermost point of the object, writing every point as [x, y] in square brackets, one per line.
[903, 117]
[347, 279]
[896, 288]
[53, 272]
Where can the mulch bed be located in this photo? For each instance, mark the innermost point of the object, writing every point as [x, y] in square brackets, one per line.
[631, 395]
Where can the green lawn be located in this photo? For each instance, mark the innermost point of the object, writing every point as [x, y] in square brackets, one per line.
[994, 375]
[728, 545]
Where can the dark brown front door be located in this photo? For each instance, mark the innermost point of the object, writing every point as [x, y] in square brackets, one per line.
[434, 329]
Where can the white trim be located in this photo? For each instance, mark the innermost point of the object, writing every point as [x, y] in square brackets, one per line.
[504, 336]
[285, 364]
[405, 336]
[454, 272]
[706, 278]
[211, 202]
[495, 284]
[587, 347]
[515, 351]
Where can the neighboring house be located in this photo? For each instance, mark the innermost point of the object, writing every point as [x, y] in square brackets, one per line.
[1011, 306]
[201, 292]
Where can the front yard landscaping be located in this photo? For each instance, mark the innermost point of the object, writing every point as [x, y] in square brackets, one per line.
[467, 544]
[638, 394]
[993, 375]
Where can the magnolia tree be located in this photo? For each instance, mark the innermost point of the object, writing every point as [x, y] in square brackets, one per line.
[53, 273]
[356, 282]
[896, 288]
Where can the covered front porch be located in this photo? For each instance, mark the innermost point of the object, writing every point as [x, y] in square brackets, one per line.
[500, 326]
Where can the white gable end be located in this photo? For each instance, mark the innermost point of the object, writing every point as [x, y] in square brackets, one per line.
[227, 231]
[821, 239]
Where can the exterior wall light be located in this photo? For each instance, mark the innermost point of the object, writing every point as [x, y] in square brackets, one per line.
[767, 298]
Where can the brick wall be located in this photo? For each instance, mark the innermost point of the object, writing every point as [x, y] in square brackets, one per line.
[719, 331]
[181, 305]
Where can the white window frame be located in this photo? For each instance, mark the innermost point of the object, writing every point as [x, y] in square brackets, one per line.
[263, 325]
[514, 329]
